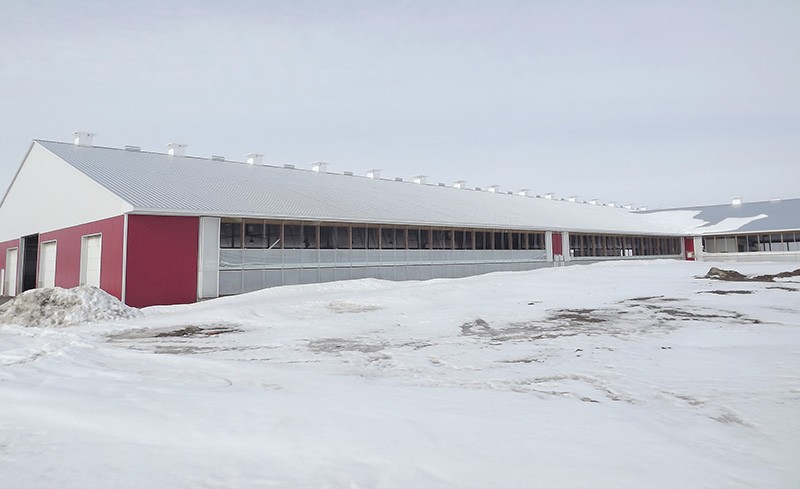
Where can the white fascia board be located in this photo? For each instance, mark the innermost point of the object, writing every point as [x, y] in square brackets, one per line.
[47, 194]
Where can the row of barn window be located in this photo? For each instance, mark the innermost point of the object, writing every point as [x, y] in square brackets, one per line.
[258, 234]
[752, 242]
[616, 245]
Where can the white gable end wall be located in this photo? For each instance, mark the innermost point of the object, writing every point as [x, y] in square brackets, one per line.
[49, 194]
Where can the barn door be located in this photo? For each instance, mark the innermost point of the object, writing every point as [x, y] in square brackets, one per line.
[557, 244]
[30, 261]
[47, 264]
[12, 255]
[688, 244]
[91, 247]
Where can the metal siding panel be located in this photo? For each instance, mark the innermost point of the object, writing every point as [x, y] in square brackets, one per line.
[209, 258]
[162, 260]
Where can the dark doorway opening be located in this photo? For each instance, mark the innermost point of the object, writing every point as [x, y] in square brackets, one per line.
[30, 261]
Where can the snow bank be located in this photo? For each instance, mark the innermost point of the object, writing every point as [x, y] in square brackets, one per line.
[64, 307]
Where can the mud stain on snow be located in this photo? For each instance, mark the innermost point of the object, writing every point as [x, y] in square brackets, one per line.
[342, 307]
[729, 417]
[189, 330]
[337, 345]
[186, 339]
[788, 289]
[726, 292]
[640, 315]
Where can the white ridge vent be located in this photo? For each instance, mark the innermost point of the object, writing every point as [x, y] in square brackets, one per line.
[348, 173]
[494, 188]
[319, 167]
[133, 148]
[83, 138]
[420, 179]
[289, 166]
[736, 201]
[217, 158]
[460, 184]
[374, 174]
[176, 149]
[254, 158]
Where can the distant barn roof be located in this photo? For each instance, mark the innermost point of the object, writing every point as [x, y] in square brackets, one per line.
[747, 217]
[159, 183]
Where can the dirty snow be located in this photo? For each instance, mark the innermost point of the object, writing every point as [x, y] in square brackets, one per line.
[64, 307]
[626, 374]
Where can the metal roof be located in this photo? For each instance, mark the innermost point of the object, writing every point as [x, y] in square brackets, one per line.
[159, 183]
[747, 217]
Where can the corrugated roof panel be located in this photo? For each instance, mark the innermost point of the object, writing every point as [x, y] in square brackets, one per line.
[154, 182]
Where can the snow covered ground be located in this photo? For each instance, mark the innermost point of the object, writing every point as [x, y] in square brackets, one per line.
[626, 374]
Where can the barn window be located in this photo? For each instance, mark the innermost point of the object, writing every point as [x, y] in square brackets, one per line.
[359, 238]
[230, 234]
[387, 238]
[294, 238]
[414, 239]
[372, 238]
[439, 240]
[253, 234]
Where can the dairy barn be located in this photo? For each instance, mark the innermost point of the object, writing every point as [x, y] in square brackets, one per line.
[167, 228]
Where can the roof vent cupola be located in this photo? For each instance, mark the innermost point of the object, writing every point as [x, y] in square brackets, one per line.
[83, 138]
[420, 179]
[176, 149]
[319, 167]
[254, 158]
[374, 174]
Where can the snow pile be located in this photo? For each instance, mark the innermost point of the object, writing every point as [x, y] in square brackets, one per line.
[64, 307]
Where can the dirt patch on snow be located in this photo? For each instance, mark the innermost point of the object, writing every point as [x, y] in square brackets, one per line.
[640, 315]
[55, 307]
[187, 331]
[726, 292]
[734, 276]
[342, 307]
[336, 345]
[788, 289]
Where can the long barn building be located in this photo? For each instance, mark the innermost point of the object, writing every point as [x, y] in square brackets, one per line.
[166, 228]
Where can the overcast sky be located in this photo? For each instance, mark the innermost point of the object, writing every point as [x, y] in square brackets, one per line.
[651, 103]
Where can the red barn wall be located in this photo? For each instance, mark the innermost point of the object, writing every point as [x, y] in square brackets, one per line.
[557, 243]
[68, 253]
[4, 248]
[162, 260]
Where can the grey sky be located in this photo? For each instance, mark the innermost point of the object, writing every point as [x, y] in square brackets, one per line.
[650, 103]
